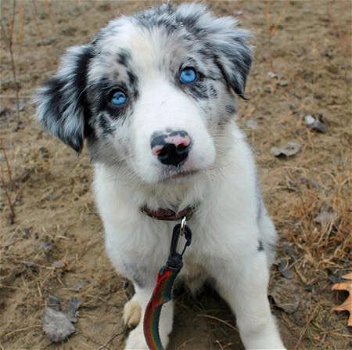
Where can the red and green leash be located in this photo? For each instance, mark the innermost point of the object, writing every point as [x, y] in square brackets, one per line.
[163, 288]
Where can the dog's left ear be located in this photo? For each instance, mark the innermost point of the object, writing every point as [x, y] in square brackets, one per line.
[234, 58]
[232, 52]
[225, 42]
[61, 103]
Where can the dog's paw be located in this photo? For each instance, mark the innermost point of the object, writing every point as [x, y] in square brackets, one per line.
[131, 313]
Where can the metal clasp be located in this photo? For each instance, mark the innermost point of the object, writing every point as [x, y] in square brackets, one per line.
[182, 229]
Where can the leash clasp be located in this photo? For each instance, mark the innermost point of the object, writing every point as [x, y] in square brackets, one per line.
[175, 258]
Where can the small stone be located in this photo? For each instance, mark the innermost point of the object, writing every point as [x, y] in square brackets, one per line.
[316, 123]
[283, 83]
[272, 75]
[289, 150]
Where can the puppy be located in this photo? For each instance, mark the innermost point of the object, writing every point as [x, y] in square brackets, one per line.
[153, 97]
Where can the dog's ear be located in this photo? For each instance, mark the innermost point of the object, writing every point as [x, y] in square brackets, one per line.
[61, 102]
[228, 44]
[233, 54]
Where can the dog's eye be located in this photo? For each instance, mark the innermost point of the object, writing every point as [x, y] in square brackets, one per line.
[118, 98]
[188, 75]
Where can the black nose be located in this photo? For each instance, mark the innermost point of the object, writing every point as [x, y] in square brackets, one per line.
[171, 148]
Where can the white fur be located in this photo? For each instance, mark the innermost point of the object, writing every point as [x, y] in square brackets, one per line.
[225, 239]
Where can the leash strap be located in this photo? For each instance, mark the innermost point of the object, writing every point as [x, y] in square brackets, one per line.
[164, 284]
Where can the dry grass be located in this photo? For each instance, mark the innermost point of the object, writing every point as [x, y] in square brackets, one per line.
[308, 46]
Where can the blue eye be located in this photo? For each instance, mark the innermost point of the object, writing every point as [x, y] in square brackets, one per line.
[118, 98]
[188, 75]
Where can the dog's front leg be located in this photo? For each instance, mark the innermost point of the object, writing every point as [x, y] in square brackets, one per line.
[244, 286]
[134, 313]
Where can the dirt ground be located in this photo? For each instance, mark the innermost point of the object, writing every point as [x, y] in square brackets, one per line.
[53, 244]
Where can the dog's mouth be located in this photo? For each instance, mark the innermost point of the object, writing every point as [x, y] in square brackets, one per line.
[180, 175]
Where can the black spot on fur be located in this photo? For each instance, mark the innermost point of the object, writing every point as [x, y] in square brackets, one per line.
[198, 91]
[133, 83]
[260, 247]
[158, 141]
[105, 125]
[81, 83]
[230, 109]
[236, 71]
[213, 92]
[123, 58]
[63, 98]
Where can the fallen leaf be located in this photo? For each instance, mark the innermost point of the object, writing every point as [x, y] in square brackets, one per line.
[347, 304]
[57, 325]
[289, 150]
[284, 296]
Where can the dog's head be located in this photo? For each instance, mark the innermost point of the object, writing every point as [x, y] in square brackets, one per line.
[152, 93]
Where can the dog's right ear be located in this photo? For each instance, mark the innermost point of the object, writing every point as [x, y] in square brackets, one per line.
[61, 102]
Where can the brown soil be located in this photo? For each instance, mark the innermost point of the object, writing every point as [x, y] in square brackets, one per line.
[55, 244]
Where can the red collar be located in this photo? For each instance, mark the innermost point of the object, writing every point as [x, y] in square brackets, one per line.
[168, 214]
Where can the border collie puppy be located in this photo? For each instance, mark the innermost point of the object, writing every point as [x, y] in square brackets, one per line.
[153, 97]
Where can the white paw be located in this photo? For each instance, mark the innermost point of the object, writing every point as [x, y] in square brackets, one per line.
[131, 314]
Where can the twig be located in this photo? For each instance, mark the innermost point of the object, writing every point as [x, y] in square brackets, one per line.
[105, 346]
[12, 211]
[9, 172]
[219, 320]
[9, 40]
[5, 186]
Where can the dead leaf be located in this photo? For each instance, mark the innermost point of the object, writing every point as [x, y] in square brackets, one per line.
[284, 297]
[316, 123]
[57, 325]
[289, 150]
[347, 304]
